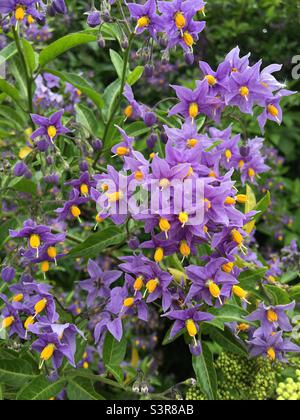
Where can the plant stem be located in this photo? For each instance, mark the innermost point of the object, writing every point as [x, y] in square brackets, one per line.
[118, 102]
[27, 75]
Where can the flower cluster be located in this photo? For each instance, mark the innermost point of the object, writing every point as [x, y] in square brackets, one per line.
[29, 11]
[30, 314]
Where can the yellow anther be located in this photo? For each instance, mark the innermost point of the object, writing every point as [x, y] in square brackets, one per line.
[241, 164]
[29, 321]
[228, 155]
[152, 155]
[180, 20]
[191, 143]
[185, 250]
[237, 236]
[191, 328]
[51, 252]
[241, 198]
[35, 241]
[48, 352]
[271, 354]
[151, 286]
[143, 22]
[7, 322]
[183, 218]
[30, 20]
[85, 365]
[214, 289]
[75, 211]
[138, 176]
[271, 279]
[188, 39]
[230, 201]
[84, 189]
[234, 70]
[190, 172]
[164, 225]
[128, 111]
[18, 298]
[251, 172]
[115, 197]
[139, 283]
[164, 183]
[52, 131]
[212, 81]
[243, 327]
[193, 110]
[104, 187]
[159, 255]
[205, 229]
[45, 266]
[212, 174]
[273, 110]
[128, 303]
[228, 267]
[99, 219]
[20, 13]
[40, 306]
[239, 292]
[244, 91]
[272, 316]
[122, 151]
[207, 203]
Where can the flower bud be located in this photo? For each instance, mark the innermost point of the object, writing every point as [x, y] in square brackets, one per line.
[150, 119]
[152, 140]
[94, 18]
[20, 169]
[8, 274]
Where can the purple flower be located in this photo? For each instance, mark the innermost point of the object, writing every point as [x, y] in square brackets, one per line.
[194, 102]
[188, 319]
[274, 347]
[71, 207]
[83, 185]
[94, 18]
[37, 235]
[210, 282]
[272, 317]
[55, 342]
[50, 127]
[146, 17]
[98, 285]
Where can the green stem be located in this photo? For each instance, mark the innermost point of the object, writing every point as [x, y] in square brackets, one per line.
[27, 74]
[118, 102]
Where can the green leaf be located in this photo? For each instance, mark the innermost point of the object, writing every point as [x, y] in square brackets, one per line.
[64, 44]
[114, 352]
[227, 313]
[10, 90]
[117, 372]
[15, 372]
[227, 341]
[17, 118]
[110, 96]
[81, 84]
[263, 205]
[249, 279]
[118, 63]
[24, 185]
[30, 55]
[86, 117]
[278, 296]
[4, 230]
[135, 75]
[40, 389]
[205, 373]
[7, 52]
[97, 242]
[82, 389]
[294, 293]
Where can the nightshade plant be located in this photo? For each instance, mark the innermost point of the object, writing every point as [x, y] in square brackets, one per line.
[94, 244]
